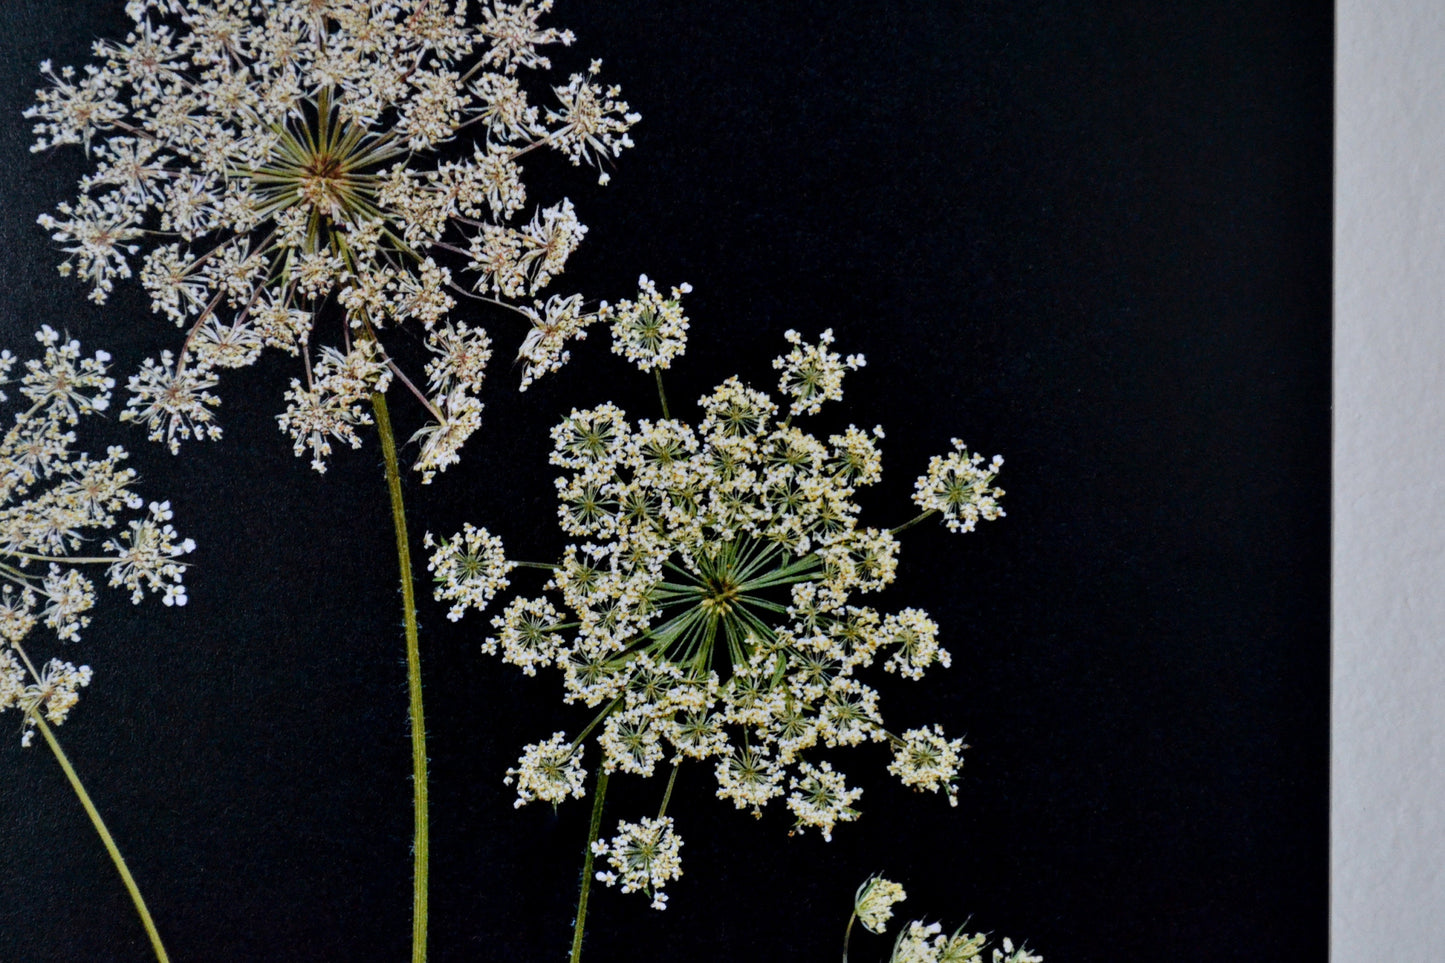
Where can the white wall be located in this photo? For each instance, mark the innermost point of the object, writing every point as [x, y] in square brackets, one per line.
[1388, 780]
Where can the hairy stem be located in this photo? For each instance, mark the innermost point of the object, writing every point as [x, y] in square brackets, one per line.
[580, 926]
[105, 837]
[420, 848]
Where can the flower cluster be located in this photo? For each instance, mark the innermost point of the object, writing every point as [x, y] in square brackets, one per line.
[469, 569]
[812, 374]
[921, 942]
[873, 903]
[53, 500]
[712, 601]
[958, 487]
[650, 331]
[550, 771]
[265, 165]
[645, 855]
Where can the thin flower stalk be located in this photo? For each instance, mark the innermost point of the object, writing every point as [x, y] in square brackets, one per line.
[152, 933]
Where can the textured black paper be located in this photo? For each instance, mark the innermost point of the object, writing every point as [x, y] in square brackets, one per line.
[1091, 238]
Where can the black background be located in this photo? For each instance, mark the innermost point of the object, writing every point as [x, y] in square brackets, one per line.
[1092, 238]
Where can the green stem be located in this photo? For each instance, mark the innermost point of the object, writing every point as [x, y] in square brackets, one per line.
[913, 521]
[667, 796]
[661, 395]
[592, 832]
[847, 933]
[593, 724]
[76, 559]
[105, 837]
[420, 848]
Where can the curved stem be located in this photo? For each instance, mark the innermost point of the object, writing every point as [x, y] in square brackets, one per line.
[105, 837]
[580, 926]
[847, 933]
[420, 848]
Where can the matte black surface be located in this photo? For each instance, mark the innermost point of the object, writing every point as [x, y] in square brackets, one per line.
[1095, 241]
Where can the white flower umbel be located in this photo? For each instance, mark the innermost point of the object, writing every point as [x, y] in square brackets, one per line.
[54, 500]
[288, 174]
[713, 606]
[651, 331]
[958, 485]
[926, 759]
[873, 907]
[314, 176]
[821, 798]
[470, 568]
[812, 374]
[643, 856]
[550, 771]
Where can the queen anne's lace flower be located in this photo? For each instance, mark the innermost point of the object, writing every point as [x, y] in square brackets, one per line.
[926, 759]
[958, 487]
[714, 600]
[54, 499]
[915, 636]
[554, 325]
[470, 569]
[550, 771]
[643, 856]
[269, 165]
[821, 798]
[173, 403]
[650, 331]
[812, 374]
